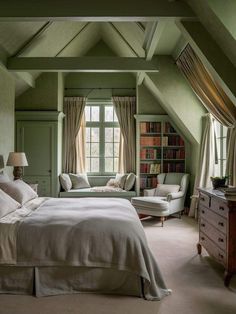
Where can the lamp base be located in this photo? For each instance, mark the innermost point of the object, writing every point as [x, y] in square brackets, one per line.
[18, 173]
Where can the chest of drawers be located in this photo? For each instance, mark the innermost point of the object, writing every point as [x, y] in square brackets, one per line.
[217, 229]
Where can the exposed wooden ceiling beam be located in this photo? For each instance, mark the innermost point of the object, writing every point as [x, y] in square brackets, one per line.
[90, 10]
[82, 64]
[152, 37]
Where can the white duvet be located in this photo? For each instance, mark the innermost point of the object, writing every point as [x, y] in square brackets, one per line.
[91, 232]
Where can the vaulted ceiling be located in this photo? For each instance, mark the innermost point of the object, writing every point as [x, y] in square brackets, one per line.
[133, 29]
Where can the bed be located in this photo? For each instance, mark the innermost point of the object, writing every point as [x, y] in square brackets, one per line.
[52, 246]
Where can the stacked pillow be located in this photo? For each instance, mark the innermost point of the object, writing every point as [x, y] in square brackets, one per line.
[19, 191]
[7, 204]
[124, 181]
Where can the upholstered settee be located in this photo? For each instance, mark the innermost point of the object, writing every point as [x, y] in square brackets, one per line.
[97, 187]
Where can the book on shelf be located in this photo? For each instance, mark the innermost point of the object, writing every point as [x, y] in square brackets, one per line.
[174, 154]
[173, 167]
[150, 127]
[150, 153]
[151, 168]
[150, 140]
[172, 140]
[146, 182]
[167, 128]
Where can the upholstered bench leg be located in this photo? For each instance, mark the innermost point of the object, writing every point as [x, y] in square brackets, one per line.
[162, 221]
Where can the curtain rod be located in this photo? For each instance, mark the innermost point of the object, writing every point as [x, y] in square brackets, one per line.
[132, 88]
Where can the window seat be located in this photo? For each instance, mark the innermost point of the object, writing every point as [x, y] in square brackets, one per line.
[98, 189]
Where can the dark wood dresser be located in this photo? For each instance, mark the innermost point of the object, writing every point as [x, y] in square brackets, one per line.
[217, 229]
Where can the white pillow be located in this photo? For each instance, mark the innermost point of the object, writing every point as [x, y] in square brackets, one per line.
[4, 177]
[7, 204]
[121, 178]
[65, 181]
[79, 181]
[165, 189]
[130, 180]
[19, 190]
[113, 183]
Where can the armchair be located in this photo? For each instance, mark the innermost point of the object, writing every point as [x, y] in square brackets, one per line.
[165, 202]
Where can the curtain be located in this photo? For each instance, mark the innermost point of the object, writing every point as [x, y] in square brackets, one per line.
[125, 108]
[81, 146]
[214, 99]
[73, 109]
[206, 161]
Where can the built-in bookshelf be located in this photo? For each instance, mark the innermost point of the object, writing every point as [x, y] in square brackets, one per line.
[160, 149]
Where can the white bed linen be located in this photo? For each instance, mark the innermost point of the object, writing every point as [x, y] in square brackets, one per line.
[87, 232]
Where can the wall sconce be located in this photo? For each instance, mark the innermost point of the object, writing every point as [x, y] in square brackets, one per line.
[18, 161]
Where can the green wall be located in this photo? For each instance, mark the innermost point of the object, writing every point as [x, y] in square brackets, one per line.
[46, 95]
[7, 97]
[147, 103]
[91, 81]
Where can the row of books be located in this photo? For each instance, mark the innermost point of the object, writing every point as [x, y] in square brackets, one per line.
[172, 140]
[167, 128]
[150, 153]
[148, 182]
[150, 168]
[150, 140]
[174, 154]
[173, 167]
[150, 127]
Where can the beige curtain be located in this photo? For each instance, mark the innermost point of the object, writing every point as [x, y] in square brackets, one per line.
[81, 146]
[206, 161]
[73, 109]
[214, 99]
[125, 108]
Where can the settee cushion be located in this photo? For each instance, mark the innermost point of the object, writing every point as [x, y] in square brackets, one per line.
[79, 181]
[165, 189]
[151, 203]
[65, 181]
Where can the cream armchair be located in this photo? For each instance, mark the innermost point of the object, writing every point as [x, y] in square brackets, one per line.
[153, 204]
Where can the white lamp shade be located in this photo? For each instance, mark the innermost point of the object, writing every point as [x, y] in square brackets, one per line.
[17, 160]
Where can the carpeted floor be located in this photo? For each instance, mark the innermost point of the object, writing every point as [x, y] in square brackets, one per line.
[197, 282]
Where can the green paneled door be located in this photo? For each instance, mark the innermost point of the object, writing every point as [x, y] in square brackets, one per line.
[39, 141]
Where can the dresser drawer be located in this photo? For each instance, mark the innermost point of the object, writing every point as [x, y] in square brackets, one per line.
[216, 220]
[212, 249]
[219, 207]
[204, 200]
[214, 234]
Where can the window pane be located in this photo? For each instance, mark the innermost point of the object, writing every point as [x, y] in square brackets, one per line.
[225, 129]
[109, 149]
[218, 147]
[87, 164]
[87, 134]
[87, 149]
[95, 135]
[94, 164]
[117, 135]
[87, 113]
[224, 168]
[115, 164]
[116, 149]
[109, 164]
[224, 148]
[108, 113]
[217, 169]
[108, 134]
[95, 149]
[95, 113]
[217, 128]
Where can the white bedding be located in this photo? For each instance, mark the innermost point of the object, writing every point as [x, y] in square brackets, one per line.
[85, 232]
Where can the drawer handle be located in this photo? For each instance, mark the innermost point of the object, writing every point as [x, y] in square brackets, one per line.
[203, 211]
[220, 240]
[202, 238]
[221, 224]
[203, 225]
[221, 256]
[221, 208]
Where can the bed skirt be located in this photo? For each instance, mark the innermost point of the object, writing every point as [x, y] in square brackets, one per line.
[46, 281]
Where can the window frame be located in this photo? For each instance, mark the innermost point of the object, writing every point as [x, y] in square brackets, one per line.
[101, 124]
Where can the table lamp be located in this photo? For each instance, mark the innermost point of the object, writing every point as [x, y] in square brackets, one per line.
[18, 161]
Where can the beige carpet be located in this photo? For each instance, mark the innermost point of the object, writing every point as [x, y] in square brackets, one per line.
[197, 282]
